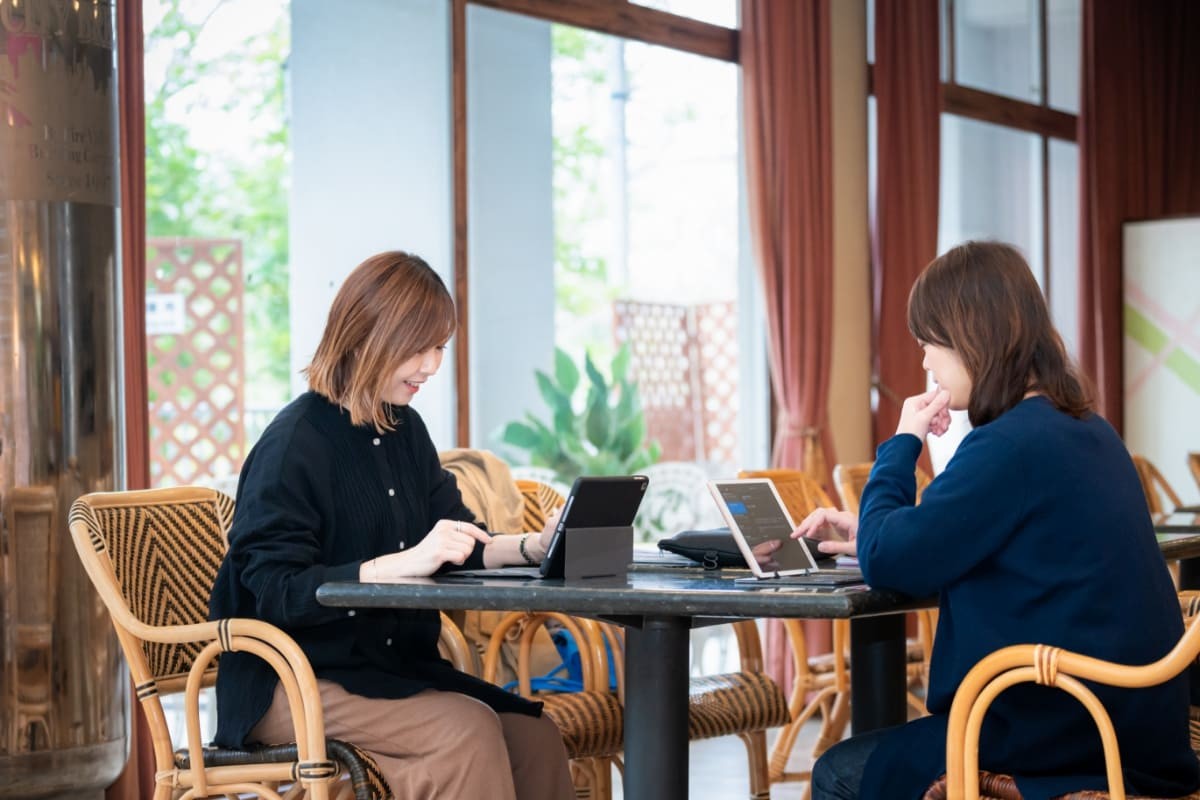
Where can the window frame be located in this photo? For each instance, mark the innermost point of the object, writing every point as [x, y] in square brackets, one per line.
[1007, 112]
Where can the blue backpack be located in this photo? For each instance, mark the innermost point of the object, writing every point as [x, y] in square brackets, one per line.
[567, 676]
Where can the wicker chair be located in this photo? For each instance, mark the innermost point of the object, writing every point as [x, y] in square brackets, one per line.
[822, 683]
[849, 480]
[744, 703]
[1052, 666]
[1160, 497]
[153, 556]
[1194, 465]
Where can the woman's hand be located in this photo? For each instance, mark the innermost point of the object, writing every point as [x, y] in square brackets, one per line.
[927, 413]
[815, 526]
[543, 539]
[450, 541]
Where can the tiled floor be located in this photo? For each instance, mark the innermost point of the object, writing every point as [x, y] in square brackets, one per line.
[718, 771]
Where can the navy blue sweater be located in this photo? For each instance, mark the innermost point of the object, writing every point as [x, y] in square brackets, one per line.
[1036, 532]
[317, 497]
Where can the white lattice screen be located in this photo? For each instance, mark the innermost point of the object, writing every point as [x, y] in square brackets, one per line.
[684, 360]
[196, 373]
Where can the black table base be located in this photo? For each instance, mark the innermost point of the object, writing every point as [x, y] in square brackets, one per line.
[878, 670]
[656, 708]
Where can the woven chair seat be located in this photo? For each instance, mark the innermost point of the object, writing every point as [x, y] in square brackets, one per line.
[365, 778]
[591, 723]
[993, 786]
[737, 702]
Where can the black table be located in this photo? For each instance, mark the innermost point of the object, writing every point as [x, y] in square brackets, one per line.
[1179, 538]
[658, 608]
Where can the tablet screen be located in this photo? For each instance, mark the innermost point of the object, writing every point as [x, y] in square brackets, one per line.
[752, 507]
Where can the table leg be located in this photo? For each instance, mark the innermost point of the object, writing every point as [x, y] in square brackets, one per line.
[1189, 573]
[656, 709]
[877, 673]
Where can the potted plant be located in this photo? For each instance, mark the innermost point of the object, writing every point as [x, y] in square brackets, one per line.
[606, 435]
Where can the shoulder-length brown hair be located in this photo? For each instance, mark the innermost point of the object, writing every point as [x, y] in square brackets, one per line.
[980, 299]
[390, 308]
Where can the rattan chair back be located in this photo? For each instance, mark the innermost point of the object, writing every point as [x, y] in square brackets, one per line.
[1160, 496]
[850, 479]
[160, 551]
[153, 556]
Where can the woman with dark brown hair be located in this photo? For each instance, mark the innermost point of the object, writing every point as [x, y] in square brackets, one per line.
[345, 484]
[1036, 531]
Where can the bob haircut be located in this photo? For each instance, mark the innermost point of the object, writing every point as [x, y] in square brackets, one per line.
[391, 307]
[980, 299]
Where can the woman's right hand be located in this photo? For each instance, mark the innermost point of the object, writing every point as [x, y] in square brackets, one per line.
[843, 521]
[450, 541]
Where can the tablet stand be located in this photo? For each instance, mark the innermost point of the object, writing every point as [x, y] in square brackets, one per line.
[597, 552]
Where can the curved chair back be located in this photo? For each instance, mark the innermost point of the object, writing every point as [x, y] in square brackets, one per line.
[799, 492]
[849, 480]
[1194, 465]
[1062, 669]
[153, 556]
[1160, 497]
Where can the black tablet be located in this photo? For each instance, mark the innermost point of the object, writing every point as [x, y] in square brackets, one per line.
[600, 502]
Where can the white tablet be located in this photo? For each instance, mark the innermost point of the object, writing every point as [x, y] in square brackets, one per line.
[762, 527]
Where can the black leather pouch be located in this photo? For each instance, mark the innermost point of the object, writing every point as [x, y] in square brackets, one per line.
[713, 548]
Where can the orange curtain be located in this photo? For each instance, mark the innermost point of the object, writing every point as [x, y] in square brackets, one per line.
[137, 780]
[908, 104]
[787, 120]
[1139, 157]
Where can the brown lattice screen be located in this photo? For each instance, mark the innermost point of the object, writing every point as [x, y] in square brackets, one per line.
[194, 344]
[684, 359]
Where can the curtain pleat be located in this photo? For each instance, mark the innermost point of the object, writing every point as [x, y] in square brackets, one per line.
[785, 54]
[1139, 157]
[908, 108]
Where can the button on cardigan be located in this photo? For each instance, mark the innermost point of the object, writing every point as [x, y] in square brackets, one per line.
[317, 497]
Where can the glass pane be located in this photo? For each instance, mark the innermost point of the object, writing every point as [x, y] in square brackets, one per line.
[996, 47]
[218, 154]
[1063, 41]
[1064, 240]
[717, 12]
[991, 187]
[606, 206]
[870, 31]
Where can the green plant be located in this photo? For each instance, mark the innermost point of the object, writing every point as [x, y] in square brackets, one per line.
[607, 437]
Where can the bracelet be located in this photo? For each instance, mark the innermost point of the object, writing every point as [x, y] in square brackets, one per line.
[525, 553]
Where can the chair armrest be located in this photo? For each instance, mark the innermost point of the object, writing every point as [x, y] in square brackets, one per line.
[1048, 666]
[295, 674]
[587, 635]
[456, 649]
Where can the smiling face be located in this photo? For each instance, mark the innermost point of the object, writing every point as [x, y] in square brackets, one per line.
[408, 378]
[949, 373]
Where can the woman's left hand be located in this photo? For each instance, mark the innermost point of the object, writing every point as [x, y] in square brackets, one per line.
[548, 530]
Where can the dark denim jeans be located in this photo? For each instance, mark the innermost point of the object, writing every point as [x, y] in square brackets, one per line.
[838, 772]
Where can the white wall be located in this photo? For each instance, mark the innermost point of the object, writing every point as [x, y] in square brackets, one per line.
[371, 144]
[1162, 346]
[510, 219]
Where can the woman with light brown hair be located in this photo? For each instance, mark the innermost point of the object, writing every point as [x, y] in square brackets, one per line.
[1036, 531]
[345, 484]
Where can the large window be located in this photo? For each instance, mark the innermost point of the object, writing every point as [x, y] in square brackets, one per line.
[618, 163]
[1009, 161]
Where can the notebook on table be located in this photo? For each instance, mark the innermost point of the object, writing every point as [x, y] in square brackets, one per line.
[762, 528]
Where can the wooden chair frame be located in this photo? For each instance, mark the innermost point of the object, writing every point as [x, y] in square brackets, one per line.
[1155, 487]
[312, 771]
[1063, 669]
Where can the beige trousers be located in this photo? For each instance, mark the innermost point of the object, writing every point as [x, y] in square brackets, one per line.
[440, 744]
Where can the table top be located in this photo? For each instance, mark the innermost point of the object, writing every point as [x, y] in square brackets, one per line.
[1179, 521]
[666, 592]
